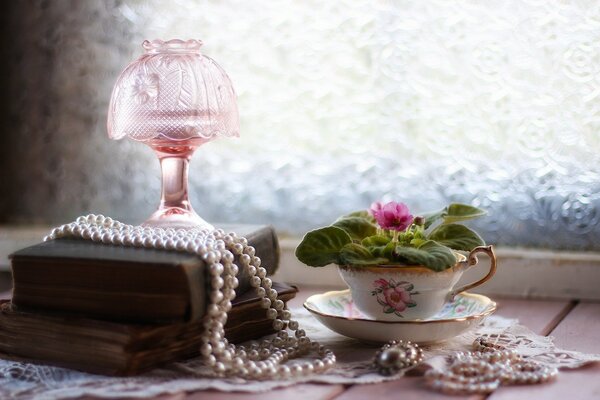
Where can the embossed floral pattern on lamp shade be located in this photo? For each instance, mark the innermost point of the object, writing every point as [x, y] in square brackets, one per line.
[342, 103]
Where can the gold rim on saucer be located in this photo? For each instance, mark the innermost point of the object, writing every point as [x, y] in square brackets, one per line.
[489, 310]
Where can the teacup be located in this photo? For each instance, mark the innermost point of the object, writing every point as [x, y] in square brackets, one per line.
[409, 292]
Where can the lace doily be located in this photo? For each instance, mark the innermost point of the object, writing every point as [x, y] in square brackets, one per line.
[20, 380]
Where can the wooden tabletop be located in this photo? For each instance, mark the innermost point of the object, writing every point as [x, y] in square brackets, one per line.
[575, 326]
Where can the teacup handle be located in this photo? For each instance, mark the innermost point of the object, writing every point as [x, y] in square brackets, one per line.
[472, 260]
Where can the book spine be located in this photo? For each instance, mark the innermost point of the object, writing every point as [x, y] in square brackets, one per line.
[199, 288]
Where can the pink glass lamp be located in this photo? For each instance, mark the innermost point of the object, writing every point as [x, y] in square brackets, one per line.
[174, 99]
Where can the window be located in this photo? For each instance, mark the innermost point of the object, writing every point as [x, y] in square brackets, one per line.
[342, 103]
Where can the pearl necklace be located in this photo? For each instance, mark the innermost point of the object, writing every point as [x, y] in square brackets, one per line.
[266, 360]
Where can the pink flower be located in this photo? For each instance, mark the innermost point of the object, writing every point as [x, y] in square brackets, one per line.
[396, 298]
[381, 283]
[394, 216]
[375, 208]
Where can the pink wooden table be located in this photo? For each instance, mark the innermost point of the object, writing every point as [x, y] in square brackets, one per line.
[575, 326]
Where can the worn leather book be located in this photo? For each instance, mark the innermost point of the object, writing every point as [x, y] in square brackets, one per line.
[111, 348]
[123, 283]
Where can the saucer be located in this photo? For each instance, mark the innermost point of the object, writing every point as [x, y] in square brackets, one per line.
[336, 311]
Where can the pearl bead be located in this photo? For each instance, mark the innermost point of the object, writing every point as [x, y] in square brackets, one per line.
[296, 370]
[267, 283]
[237, 249]
[255, 281]
[277, 324]
[206, 349]
[216, 269]
[265, 302]
[210, 257]
[285, 371]
[245, 259]
[216, 296]
[278, 305]
[264, 353]
[282, 334]
[217, 282]
[210, 360]
[293, 325]
[219, 367]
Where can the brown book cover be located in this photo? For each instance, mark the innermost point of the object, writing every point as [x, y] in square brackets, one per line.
[112, 348]
[123, 283]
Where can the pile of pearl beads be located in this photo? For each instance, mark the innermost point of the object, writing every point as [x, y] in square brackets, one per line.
[484, 370]
[264, 360]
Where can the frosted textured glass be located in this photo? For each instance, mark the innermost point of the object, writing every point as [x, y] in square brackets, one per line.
[342, 103]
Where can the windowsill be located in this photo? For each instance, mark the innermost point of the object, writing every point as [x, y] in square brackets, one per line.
[521, 272]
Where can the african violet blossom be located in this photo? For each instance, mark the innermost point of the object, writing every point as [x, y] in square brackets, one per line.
[392, 216]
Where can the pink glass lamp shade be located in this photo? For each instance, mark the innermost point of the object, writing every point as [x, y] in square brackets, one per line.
[174, 99]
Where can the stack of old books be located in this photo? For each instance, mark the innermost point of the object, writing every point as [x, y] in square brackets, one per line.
[121, 310]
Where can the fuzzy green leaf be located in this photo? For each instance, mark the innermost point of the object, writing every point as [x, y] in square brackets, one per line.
[456, 212]
[457, 237]
[358, 228]
[322, 246]
[386, 251]
[431, 255]
[432, 217]
[355, 254]
[377, 240]
[361, 214]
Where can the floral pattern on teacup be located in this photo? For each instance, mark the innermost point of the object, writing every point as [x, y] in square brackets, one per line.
[395, 297]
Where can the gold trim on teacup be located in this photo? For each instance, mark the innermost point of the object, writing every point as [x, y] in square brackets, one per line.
[489, 310]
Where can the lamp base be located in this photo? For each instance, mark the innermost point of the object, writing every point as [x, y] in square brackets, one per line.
[177, 218]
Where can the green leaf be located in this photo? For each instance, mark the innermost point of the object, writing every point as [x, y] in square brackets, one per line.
[417, 242]
[361, 214]
[322, 246]
[358, 228]
[433, 217]
[431, 255]
[386, 251]
[457, 237]
[356, 254]
[456, 212]
[389, 310]
[377, 240]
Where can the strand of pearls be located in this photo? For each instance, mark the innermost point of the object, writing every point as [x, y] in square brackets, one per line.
[264, 360]
[487, 368]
